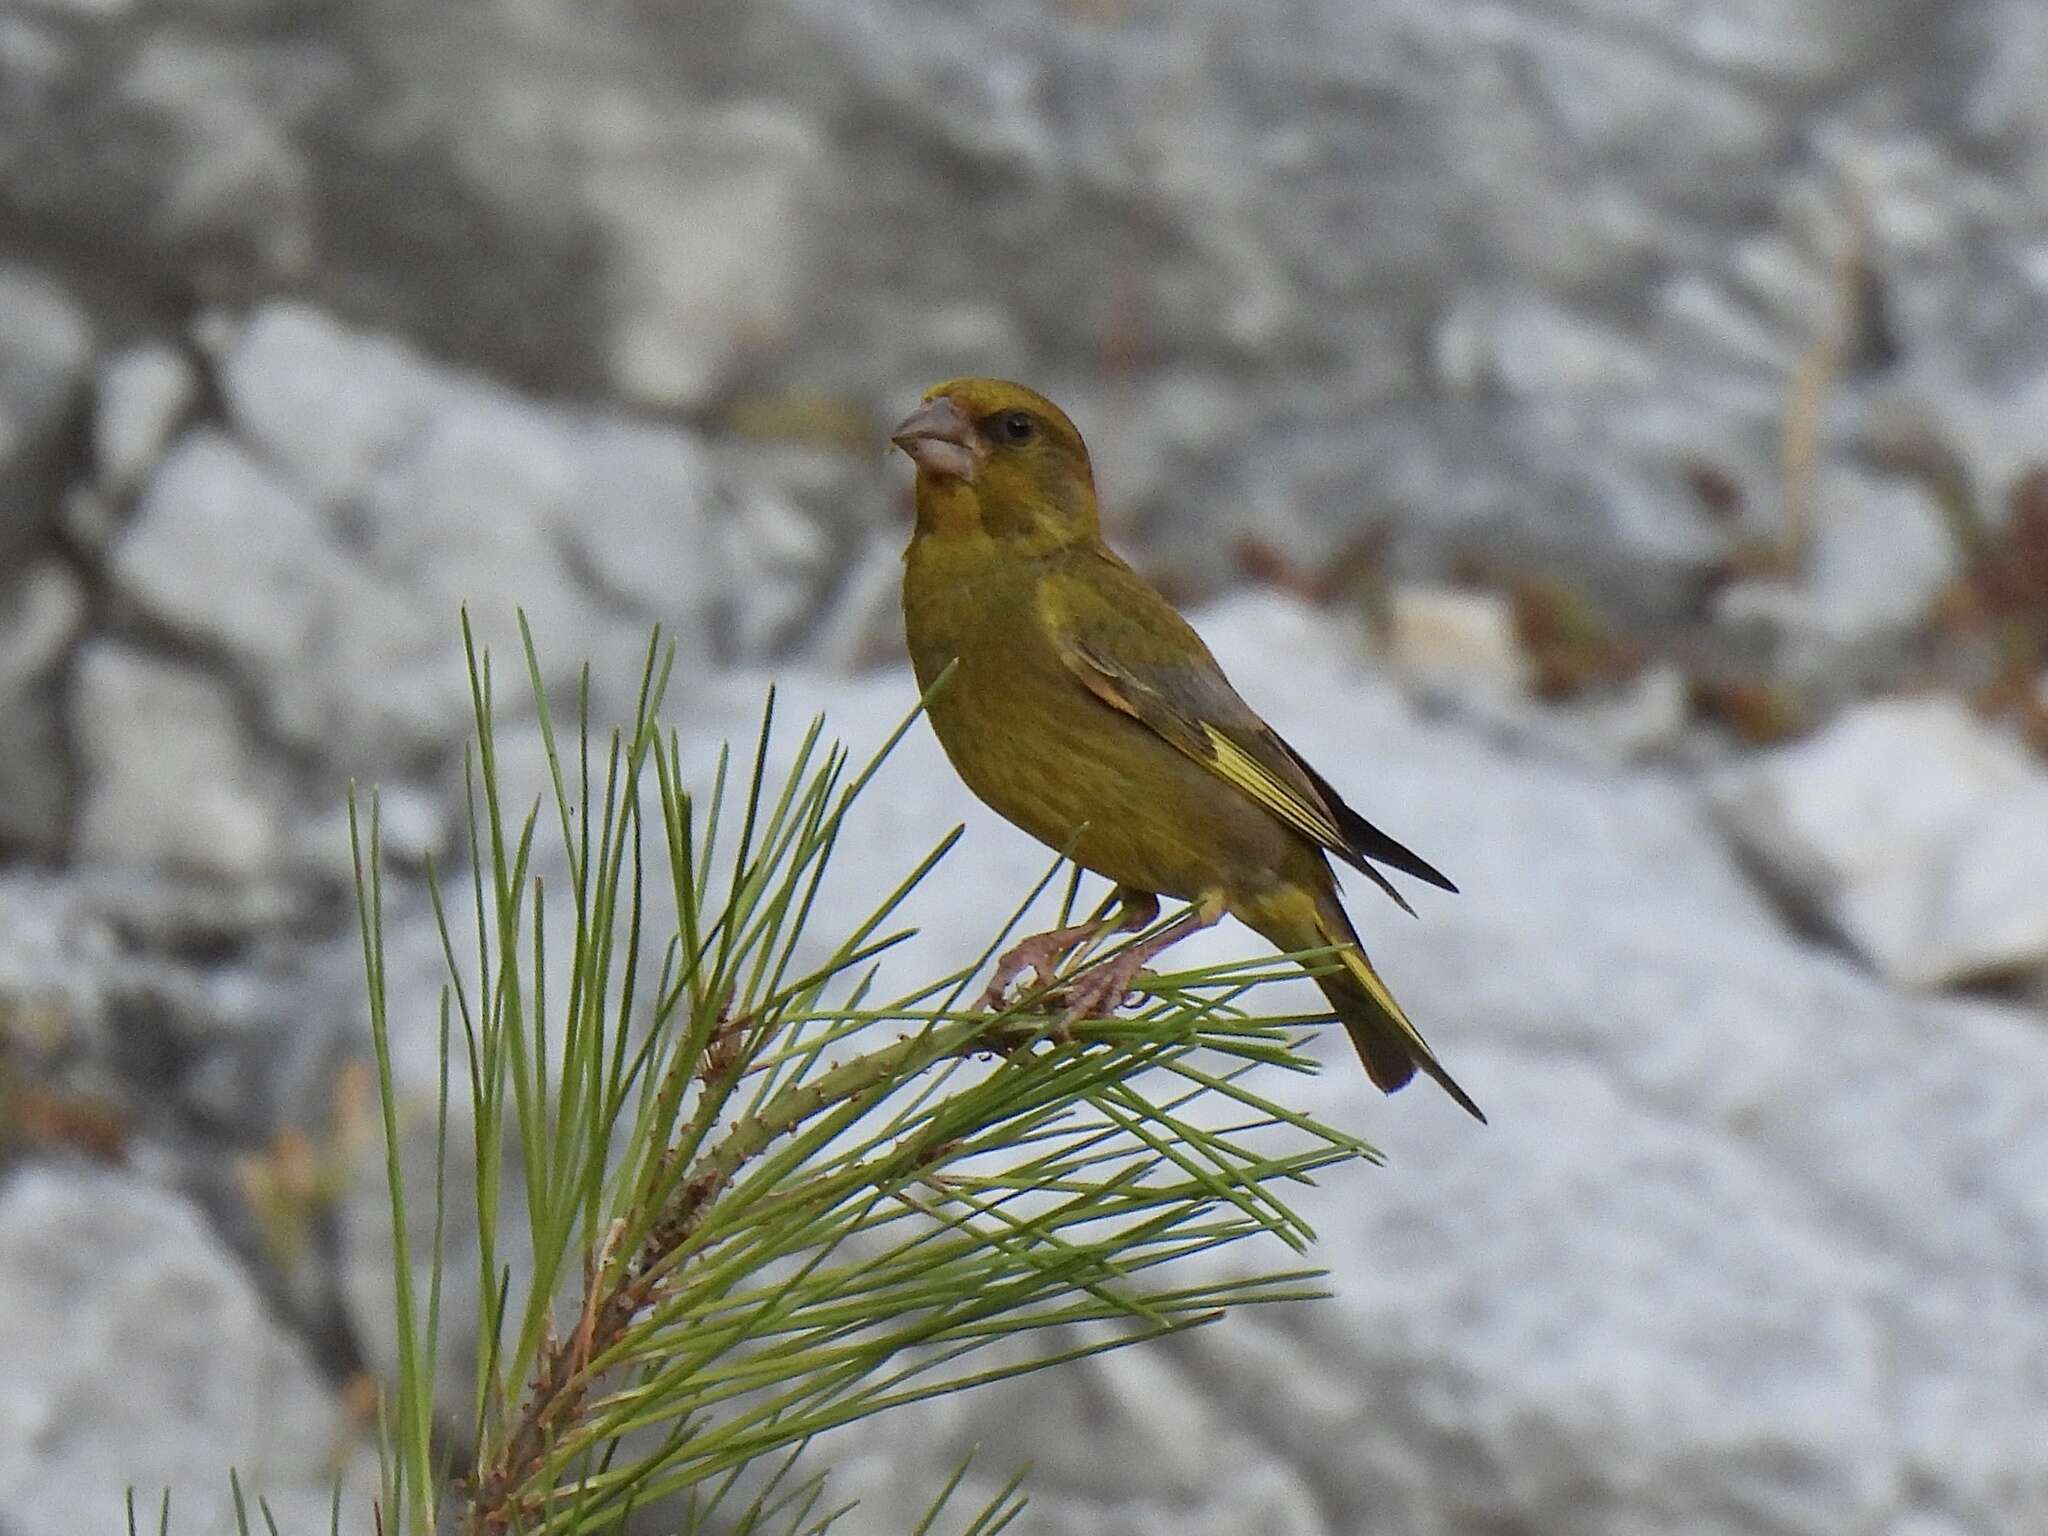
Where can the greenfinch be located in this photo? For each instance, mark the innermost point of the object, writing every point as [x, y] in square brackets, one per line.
[1084, 709]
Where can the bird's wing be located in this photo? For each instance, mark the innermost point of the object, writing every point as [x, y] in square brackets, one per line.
[1128, 647]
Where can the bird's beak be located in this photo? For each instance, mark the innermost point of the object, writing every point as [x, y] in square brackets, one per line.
[940, 440]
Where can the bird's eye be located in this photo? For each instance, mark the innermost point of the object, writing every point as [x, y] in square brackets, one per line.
[1018, 427]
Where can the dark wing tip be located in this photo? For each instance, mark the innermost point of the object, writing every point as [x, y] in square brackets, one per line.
[1370, 842]
[1382, 882]
[1435, 877]
[1365, 841]
[1459, 1095]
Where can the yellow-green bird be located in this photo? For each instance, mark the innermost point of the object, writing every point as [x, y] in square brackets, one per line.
[1084, 709]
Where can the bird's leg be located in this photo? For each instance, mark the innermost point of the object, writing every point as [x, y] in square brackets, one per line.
[1101, 989]
[1042, 952]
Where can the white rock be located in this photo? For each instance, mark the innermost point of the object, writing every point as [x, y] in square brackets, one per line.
[91, 10]
[1641, 720]
[145, 393]
[1995, 432]
[224, 551]
[55, 954]
[172, 779]
[775, 552]
[1645, 717]
[1879, 556]
[708, 246]
[865, 625]
[374, 496]
[1451, 636]
[413, 825]
[1994, 907]
[230, 167]
[1911, 827]
[140, 1356]
[1881, 553]
[1522, 344]
[327, 405]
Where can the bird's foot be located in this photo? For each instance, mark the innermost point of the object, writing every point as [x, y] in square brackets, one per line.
[1103, 988]
[1040, 954]
[1106, 986]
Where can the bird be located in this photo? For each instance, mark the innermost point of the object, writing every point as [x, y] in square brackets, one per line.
[1077, 703]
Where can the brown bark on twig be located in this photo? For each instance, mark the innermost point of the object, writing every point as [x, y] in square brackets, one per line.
[505, 1494]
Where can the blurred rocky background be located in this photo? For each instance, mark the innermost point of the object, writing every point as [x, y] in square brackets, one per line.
[1633, 414]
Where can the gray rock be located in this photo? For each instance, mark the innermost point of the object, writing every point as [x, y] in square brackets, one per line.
[83, 1012]
[215, 522]
[89, 518]
[45, 355]
[708, 222]
[1647, 718]
[1752, 1242]
[89, 10]
[330, 408]
[865, 625]
[54, 957]
[229, 168]
[414, 825]
[1749, 1233]
[365, 1270]
[34, 55]
[1293, 222]
[1993, 433]
[1458, 476]
[2000, 111]
[1642, 720]
[779, 556]
[1486, 272]
[807, 531]
[40, 617]
[172, 780]
[369, 496]
[1452, 638]
[1914, 830]
[1879, 556]
[1523, 344]
[140, 1356]
[145, 394]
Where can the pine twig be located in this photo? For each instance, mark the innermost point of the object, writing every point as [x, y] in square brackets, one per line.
[568, 1367]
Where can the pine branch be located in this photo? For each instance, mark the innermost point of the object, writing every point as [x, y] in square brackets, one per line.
[758, 1235]
[568, 1365]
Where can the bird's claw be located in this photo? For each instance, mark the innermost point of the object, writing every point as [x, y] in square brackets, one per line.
[1100, 991]
[995, 997]
[1040, 954]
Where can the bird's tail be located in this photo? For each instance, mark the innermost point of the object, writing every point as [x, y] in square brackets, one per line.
[1390, 1046]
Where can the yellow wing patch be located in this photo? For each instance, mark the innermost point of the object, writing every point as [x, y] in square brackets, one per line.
[1240, 768]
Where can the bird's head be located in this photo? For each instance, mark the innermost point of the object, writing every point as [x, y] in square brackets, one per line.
[1001, 460]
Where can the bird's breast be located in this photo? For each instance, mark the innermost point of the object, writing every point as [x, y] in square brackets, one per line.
[1045, 754]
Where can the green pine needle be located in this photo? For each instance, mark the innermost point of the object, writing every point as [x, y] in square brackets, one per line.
[761, 1200]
